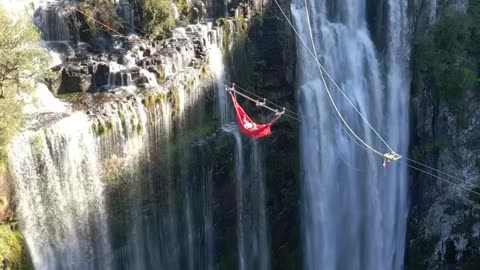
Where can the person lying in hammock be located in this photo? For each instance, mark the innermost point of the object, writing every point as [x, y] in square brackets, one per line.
[247, 124]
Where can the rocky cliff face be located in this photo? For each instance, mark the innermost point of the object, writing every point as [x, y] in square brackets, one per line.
[131, 88]
[444, 224]
[263, 60]
[271, 44]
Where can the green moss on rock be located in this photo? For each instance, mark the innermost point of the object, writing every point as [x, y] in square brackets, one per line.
[174, 99]
[161, 77]
[189, 86]
[101, 127]
[148, 101]
[13, 251]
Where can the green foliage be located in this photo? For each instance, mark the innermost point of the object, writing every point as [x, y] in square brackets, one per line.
[447, 59]
[158, 17]
[102, 11]
[161, 74]
[149, 101]
[189, 86]
[205, 71]
[159, 98]
[121, 114]
[185, 10]
[241, 24]
[174, 99]
[140, 128]
[37, 144]
[421, 151]
[20, 59]
[101, 127]
[11, 121]
[227, 31]
[13, 248]
[221, 21]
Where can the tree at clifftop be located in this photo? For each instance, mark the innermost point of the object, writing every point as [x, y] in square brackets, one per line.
[21, 58]
[22, 61]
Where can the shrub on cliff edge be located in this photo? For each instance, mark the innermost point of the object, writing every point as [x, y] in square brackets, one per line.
[158, 17]
[21, 61]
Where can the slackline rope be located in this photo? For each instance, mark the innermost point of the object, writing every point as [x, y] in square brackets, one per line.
[322, 70]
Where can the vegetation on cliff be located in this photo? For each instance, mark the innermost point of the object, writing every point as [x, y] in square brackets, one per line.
[102, 10]
[446, 70]
[446, 59]
[158, 17]
[13, 253]
[21, 61]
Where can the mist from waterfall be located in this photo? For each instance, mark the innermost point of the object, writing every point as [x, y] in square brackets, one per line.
[124, 186]
[354, 210]
[218, 71]
[252, 231]
[64, 222]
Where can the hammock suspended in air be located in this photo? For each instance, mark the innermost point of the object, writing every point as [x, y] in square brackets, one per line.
[247, 126]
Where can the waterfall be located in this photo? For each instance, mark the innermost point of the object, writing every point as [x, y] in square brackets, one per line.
[217, 68]
[252, 232]
[239, 177]
[259, 243]
[126, 11]
[172, 220]
[118, 76]
[432, 11]
[74, 178]
[398, 80]
[124, 185]
[60, 196]
[52, 23]
[354, 211]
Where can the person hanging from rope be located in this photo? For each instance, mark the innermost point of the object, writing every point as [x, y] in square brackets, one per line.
[389, 157]
[247, 126]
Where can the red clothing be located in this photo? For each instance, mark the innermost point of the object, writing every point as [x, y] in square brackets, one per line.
[247, 126]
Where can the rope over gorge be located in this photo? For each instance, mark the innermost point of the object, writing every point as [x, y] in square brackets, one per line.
[387, 156]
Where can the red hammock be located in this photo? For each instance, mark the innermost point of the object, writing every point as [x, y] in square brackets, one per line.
[247, 126]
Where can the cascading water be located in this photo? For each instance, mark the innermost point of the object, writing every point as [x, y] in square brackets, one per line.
[65, 169]
[60, 196]
[172, 226]
[398, 80]
[354, 212]
[52, 24]
[126, 11]
[71, 170]
[216, 65]
[118, 76]
[252, 242]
